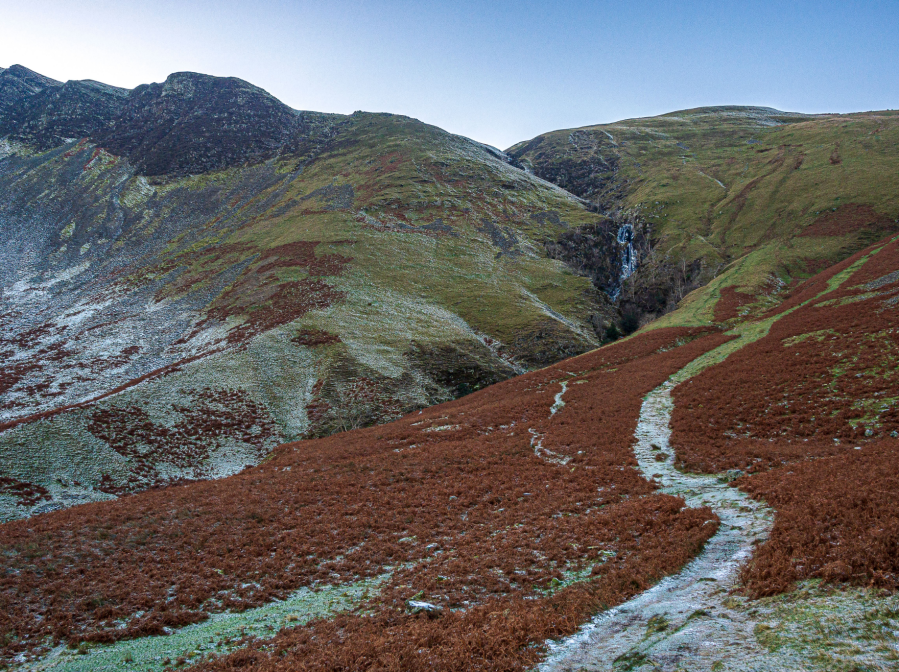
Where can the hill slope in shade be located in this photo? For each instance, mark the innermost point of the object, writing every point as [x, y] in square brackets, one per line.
[159, 323]
[518, 510]
[747, 199]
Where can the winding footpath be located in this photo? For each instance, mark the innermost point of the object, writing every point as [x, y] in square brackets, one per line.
[690, 621]
[686, 621]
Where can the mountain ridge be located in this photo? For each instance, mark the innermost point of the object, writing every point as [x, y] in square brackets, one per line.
[190, 123]
[382, 263]
[312, 238]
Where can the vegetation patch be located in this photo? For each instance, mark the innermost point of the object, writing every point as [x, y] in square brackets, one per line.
[474, 520]
[825, 374]
[837, 520]
[837, 629]
[729, 304]
[815, 425]
[220, 634]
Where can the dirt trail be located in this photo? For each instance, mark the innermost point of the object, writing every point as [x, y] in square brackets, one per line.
[683, 622]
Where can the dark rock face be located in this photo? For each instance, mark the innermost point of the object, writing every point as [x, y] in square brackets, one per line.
[17, 86]
[615, 254]
[458, 368]
[590, 173]
[598, 251]
[75, 110]
[642, 284]
[195, 123]
[592, 251]
[189, 124]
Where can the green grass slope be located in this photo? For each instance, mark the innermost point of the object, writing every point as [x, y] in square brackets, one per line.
[179, 327]
[745, 198]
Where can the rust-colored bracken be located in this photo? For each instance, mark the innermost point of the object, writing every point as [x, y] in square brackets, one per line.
[728, 306]
[810, 411]
[491, 499]
[825, 375]
[837, 519]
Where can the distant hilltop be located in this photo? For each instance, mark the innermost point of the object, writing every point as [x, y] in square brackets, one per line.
[191, 123]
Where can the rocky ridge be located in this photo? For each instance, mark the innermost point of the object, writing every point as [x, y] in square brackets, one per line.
[189, 124]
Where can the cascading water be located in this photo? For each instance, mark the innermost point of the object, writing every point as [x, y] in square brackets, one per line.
[628, 257]
[625, 239]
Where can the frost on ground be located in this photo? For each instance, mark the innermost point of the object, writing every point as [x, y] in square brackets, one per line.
[682, 615]
[691, 621]
[220, 634]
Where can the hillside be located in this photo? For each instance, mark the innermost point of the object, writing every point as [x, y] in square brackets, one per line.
[209, 273]
[195, 249]
[293, 390]
[467, 535]
[747, 199]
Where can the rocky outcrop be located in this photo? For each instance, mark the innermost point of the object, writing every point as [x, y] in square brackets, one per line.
[194, 123]
[17, 86]
[589, 171]
[44, 113]
[609, 251]
[189, 124]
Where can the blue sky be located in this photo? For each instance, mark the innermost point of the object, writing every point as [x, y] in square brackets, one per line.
[496, 71]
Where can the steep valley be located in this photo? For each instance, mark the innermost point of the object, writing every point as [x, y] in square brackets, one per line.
[746, 199]
[293, 390]
[160, 323]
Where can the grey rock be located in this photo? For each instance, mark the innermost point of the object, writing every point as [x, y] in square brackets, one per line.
[730, 475]
[418, 607]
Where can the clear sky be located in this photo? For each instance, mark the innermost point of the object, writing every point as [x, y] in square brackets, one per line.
[492, 70]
